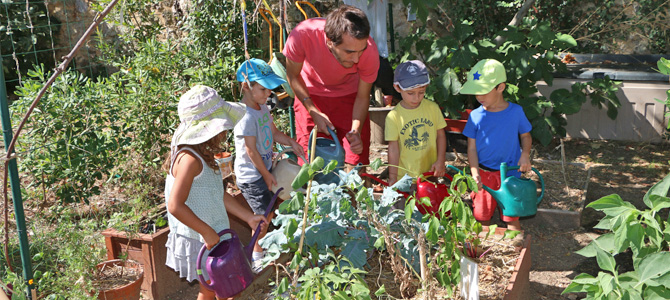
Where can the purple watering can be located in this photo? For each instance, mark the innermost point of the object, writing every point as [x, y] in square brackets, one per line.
[229, 263]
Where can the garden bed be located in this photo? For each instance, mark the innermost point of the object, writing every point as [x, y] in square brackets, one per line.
[503, 271]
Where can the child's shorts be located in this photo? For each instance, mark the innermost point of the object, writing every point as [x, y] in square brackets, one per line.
[257, 194]
[483, 203]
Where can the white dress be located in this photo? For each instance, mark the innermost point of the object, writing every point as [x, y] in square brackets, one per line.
[206, 200]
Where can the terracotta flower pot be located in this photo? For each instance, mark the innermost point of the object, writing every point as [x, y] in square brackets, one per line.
[130, 291]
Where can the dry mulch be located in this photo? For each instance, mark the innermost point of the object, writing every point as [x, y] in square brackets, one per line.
[113, 276]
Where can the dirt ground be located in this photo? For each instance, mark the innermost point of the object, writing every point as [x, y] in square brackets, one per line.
[625, 168]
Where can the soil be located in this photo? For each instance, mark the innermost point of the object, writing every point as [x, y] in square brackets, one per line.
[628, 169]
[113, 276]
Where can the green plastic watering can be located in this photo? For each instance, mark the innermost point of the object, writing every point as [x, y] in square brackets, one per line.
[517, 197]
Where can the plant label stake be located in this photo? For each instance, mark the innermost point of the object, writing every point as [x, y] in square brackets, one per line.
[469, 279]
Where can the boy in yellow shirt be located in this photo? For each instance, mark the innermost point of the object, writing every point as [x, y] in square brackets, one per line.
[414, 128]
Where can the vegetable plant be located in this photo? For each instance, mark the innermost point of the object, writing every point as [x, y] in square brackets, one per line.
[645, 234]
[344, 225]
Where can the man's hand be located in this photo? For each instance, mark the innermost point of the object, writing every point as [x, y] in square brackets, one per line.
[322, 121]
[355, 141]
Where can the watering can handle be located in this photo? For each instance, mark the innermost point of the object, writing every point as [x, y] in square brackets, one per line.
[250, 247]
[276, 158]
[428, 174]
[202, 252]
[456, 169]
[332, 134]
[538, 175]
[382, 182]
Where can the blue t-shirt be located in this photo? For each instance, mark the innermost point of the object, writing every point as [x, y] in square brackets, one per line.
[254, 123]
[497, 134]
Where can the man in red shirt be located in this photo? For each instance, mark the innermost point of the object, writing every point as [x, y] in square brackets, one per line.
[331, 65]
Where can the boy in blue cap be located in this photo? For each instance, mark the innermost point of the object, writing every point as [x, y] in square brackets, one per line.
[255, 134]
[497, 131]
[414, 129]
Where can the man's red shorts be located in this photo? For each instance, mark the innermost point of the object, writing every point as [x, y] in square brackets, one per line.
[483, 203]
[338, 110]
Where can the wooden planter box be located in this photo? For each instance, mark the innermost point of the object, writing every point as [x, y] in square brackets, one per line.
[519, 283]
[149, 250]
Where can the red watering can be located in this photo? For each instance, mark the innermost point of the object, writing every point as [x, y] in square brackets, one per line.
[229, 263]
[435, 191]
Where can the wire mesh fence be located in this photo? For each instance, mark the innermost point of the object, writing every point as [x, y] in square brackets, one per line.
[34, 33]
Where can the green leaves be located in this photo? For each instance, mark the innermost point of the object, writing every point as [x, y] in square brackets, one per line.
[646, 236]
[374, 165]
[660, 189]
[564, 102]
[654, 266]
[302, 177]
[611, 205]
[541, 34]
[316, 165]
[605, 260]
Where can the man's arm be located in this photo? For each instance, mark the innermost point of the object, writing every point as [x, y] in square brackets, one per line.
[299, 87]
[360, 112]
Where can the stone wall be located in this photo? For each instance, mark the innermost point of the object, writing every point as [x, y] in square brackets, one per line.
[75, 17]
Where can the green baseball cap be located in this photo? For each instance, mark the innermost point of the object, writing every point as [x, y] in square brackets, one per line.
[483, 77]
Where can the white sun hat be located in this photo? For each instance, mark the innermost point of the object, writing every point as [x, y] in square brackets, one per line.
[203, 115]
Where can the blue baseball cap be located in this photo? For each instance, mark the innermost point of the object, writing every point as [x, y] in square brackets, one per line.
[410, 75]
[257, 70]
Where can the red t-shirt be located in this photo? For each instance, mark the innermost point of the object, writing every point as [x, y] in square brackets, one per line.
[323, 74]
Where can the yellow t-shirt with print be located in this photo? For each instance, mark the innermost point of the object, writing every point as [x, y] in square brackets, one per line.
[416, 133]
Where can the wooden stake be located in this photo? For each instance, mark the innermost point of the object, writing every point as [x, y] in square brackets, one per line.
[312, 153]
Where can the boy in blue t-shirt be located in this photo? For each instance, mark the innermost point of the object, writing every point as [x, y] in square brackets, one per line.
[497, 131]
[255, 134]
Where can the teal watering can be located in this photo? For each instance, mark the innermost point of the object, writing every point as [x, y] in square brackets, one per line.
[328, 150]
[517, 197]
